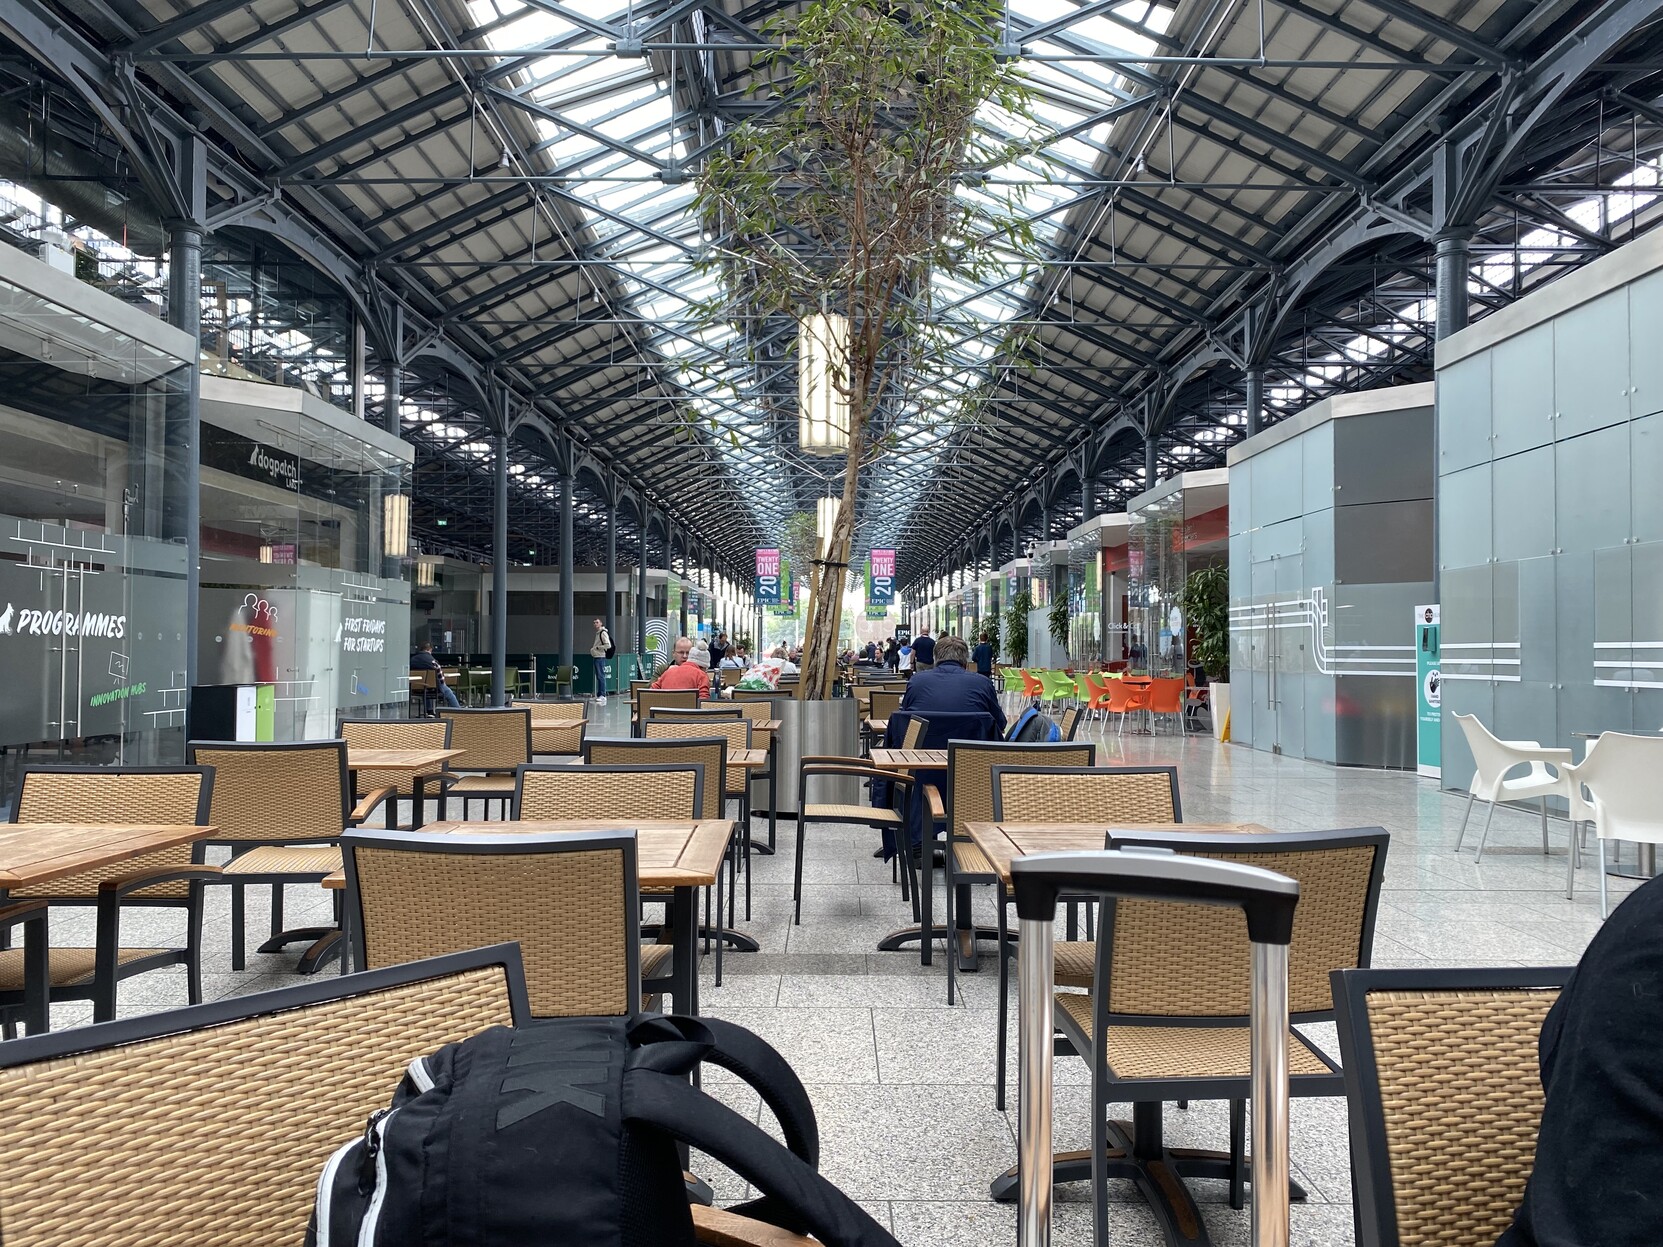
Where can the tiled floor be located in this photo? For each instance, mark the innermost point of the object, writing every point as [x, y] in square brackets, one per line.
[903, 1084]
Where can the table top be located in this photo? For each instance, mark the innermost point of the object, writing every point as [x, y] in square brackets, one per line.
[1004, 842]
[35, 853]
[878, 725]
[398, 759]
[910, 759]
[668, 854]
[749, 759]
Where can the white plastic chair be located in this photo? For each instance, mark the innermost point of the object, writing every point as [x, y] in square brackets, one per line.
[1620, 773]
[1494, 759]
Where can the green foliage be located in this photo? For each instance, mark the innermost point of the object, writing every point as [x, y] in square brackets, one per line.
[1205, 602]
[1057, 621]
[1016, 627]
[800, 543]
[990, 625]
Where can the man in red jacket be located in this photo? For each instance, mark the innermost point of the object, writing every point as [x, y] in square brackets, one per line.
[681, 673]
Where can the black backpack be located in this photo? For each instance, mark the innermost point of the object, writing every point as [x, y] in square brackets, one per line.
[611, 649]
[565, 1131]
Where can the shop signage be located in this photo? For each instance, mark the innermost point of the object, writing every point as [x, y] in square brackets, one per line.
[245, 457]
[1428, 691]
[880, 578]
[768, 577]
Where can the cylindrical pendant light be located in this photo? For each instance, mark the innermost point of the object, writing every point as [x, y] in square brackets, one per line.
[395, 525]
[825, 519]
[822, 358]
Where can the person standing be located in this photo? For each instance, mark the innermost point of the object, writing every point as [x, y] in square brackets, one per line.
[891, 653]
[904, 659]
[600, 650]
[923, 650]
[718, 650]
[983, 656]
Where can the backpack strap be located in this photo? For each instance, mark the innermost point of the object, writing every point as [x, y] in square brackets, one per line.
[674, 1045]
[796, 1197]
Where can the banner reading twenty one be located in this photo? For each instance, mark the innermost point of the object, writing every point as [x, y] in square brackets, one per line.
[880, 578]
[768, 577]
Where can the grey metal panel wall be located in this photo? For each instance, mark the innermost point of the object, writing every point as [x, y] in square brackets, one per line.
[1550, 546]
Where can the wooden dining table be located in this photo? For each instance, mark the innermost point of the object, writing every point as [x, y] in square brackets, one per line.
[671, 856]
[396, 765]
[35, 853]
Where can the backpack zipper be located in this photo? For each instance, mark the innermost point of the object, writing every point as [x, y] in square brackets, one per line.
[375, 1137]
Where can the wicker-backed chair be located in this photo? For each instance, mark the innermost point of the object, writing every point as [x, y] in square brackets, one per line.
[569, 900]
[912, 735]
[1114, 796]
[881, 704]
[709, 754]
[281, 810]
[557, 727]
[737, 784]
[168, 879]
[1166, 1016]
[211, 1124]
[969, 799]
[673, 793]
[399, 785]
[1442, 1071]
[1069, 724]
[497, 742]
[649, 701]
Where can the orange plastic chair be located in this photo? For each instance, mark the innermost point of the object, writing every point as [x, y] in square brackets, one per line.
[1097, 692]
[1125, 698]
[1167, 697]
[1031, 685]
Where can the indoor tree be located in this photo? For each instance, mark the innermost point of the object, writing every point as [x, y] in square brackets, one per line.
[1016, 627]
[1057, 622]
[835, 216]
[1205, 603]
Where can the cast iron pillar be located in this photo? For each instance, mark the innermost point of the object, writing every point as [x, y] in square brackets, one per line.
[567, 555]
[1255, 400]
[183, 429]
[1451, 275]
[499, 575]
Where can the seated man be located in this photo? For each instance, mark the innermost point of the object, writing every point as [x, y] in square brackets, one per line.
[1600, 1147]
[682, 673]
[950, 687]
[423, 660]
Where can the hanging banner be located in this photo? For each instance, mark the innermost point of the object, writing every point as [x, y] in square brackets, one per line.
[786, 609]
[876, 612]
[768, 577]
[880, 578]
[1429, 694]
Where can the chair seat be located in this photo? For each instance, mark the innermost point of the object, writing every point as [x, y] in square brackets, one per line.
[852, 814]
[968, 859]
[286, 859]
[655, 960]
[717, 1227]
[71, 967]
[481, 785]
[1172, 1052]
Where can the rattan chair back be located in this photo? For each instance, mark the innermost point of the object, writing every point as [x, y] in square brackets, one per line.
[292, 793]
[1165, 959]
[555, 711]
[137, 794]
[674, 714]
[1443, 1078]
[211, 1124]
[710, 753]
[495, 739]
[1070, 725]
[394, 734]
[970, 773]
[609, 792]
[913, 736]
[1113, 796]
[760, 694]
[571, 901]
[650, 700]
[883, 703]
[736, 731]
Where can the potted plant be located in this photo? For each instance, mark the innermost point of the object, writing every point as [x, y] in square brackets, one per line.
[1016, 628]
[832, 216]
[1205, 602]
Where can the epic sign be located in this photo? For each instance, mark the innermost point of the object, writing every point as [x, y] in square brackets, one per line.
[768, 577]
[880, 579]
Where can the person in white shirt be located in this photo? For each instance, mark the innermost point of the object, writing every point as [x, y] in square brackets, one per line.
[787, 667]
[904, 659]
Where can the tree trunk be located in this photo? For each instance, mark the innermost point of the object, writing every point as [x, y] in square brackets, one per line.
[825, 607]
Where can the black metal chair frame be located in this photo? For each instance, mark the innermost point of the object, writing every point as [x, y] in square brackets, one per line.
[506, 794]
[831, 764]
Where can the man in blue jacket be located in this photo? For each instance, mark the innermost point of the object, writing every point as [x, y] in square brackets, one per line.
[923, 650]
[951, 687]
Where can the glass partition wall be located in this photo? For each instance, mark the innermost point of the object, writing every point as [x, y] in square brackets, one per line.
[305, 549]
[92, 525]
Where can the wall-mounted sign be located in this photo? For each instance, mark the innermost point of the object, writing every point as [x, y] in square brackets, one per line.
[1429, 691]
[245, 457]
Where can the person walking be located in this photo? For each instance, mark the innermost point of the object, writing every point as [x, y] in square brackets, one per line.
[600, 650]
[891, 653]
[923, 650]
[718, 650]
[983, 656]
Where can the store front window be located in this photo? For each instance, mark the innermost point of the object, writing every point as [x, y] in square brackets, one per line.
[306, 556]
[92, 561]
